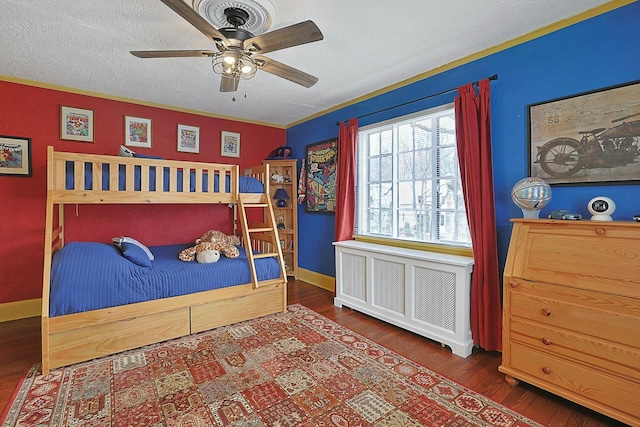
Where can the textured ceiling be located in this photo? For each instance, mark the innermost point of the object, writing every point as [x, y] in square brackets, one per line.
[368, 45]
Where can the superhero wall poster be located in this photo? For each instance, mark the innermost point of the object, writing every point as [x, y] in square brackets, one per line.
[321, 164]
[15, 156]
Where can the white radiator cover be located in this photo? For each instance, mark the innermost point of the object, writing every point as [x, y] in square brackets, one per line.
[424, 292]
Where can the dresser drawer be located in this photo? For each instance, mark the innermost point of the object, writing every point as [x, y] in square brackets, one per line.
[584, 254]
[606, 393]
[605, 355]
[606, 316]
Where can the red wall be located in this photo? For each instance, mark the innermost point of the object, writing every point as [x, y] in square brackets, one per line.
[34, 112]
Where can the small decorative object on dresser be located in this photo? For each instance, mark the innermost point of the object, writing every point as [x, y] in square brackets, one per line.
[531, 194]
[564, 214]
[571, 321]
[601, 208]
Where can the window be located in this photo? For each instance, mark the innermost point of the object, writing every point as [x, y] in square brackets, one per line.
[408, 184]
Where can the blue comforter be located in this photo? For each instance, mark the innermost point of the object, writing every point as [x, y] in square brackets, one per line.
[89, 276]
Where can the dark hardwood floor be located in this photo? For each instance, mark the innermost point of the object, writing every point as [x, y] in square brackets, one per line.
[20, 349]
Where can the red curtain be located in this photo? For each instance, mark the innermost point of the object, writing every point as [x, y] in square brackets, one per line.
[346, 180]
[473, 130]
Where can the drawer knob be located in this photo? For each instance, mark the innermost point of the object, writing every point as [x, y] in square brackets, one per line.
[600, 231]
[513, 284]
[546, 341]
[546, 312]
[546, 370]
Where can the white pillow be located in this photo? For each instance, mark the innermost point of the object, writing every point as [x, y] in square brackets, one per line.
[125, 152]
[119, 240]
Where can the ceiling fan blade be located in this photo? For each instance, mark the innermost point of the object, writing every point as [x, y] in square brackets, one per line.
[229, 83]
[192, 17]
[171, 53]
[286, 72]
[293, 35]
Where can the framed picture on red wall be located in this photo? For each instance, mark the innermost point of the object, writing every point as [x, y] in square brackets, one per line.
[188, 139]
[137, 132]
[76, 124]
[15, 156]
[230, 144]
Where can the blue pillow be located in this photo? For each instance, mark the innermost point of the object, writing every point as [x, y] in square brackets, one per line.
[120, 240]
[147, 156]
[135, 254]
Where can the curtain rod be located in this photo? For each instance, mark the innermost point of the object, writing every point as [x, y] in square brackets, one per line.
[494, 77]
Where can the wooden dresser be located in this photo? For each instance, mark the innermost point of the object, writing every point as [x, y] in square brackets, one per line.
[572, 312]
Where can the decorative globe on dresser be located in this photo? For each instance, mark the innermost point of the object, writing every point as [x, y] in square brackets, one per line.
[531, 195]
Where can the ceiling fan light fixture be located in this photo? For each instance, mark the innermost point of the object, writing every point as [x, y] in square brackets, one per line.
[247, 69]
[234, 64]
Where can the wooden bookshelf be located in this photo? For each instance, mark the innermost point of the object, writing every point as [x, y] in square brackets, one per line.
[287, 215]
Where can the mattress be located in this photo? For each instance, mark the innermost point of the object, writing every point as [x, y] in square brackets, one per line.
[90, 276]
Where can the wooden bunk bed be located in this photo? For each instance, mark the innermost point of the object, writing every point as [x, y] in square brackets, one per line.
[83, 336]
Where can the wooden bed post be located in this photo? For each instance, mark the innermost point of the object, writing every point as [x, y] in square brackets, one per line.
[46, 278]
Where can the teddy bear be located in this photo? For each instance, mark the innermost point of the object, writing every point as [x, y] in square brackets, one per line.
[203, 253]
[206, 253]
[212, 240]
[226, 244]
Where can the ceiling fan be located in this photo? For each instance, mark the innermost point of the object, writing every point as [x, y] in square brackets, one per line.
[239, 51]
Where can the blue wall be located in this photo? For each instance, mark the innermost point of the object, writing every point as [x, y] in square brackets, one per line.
[593, 54]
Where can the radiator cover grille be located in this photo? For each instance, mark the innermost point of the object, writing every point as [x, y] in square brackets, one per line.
[354, 276]
[435, 297]
[388, 285]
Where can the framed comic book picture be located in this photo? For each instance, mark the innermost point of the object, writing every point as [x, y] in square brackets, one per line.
[188, 139]
[15, 156]
[230, 144]
[321, 164]
[76, 124]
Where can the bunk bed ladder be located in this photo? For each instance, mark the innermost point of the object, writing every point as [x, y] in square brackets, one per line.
[260, 237]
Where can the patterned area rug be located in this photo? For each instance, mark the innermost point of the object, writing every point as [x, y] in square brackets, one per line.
[288, 369]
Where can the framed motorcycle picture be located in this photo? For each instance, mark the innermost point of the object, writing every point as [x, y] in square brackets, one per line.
[591, 137]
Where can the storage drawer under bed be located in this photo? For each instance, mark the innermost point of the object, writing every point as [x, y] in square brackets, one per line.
[236, 309]
[75, 345]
